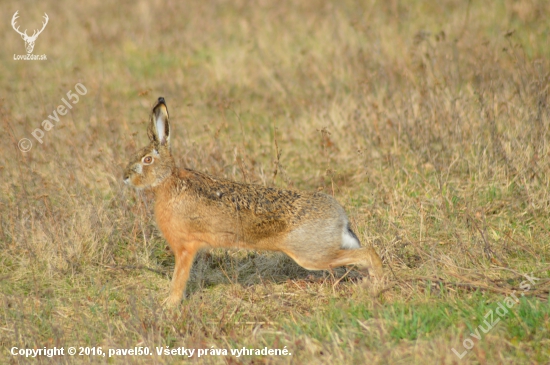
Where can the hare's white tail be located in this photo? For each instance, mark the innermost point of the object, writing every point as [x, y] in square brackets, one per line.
[349, 239]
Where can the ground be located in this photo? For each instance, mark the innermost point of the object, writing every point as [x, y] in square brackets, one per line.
[428, 121]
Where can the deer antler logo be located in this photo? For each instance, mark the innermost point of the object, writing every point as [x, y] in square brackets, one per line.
[29, 41]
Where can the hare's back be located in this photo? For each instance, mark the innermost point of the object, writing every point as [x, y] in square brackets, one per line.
[261, 205]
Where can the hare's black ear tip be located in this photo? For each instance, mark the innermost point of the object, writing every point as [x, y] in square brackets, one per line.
[161, 100]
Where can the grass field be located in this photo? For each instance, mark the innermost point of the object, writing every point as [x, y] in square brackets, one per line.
[428, 121]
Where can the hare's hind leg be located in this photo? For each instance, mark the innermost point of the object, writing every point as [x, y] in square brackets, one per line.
[364, 257]
[335, 245]
[184, 255]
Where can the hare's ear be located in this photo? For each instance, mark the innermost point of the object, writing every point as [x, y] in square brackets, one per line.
[159, 128]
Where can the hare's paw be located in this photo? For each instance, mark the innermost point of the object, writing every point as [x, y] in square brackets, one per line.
[376, 270]
[373, 263]
[171, 301]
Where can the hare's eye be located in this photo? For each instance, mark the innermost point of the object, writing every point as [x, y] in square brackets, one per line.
[147, 160]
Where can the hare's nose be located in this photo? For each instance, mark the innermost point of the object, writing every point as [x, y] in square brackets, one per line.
[126, 178]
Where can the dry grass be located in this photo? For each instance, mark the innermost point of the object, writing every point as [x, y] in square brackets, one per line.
[429, 122]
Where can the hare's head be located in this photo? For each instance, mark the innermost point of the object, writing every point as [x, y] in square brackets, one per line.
[153, 164]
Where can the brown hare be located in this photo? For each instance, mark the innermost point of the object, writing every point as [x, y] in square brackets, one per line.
[195, 210]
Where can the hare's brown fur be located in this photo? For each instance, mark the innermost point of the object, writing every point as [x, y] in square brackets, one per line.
[195, 210]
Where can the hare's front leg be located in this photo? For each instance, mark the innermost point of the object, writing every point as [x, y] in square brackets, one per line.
[184, 253]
